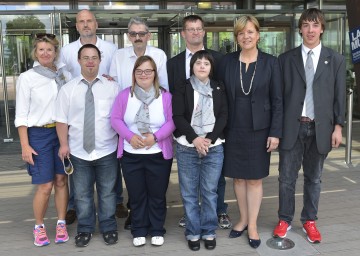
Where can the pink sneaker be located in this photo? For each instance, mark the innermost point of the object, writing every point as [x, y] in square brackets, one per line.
[40, 237]
[61, 234]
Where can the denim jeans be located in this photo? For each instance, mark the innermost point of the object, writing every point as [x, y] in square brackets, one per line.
[103, 173]
[303, 153]
[198, 178]
[221, 205]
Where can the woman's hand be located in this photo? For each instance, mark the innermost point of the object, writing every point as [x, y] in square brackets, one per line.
[26, 152]
[149, 140]
[202, 145]
[137, 142]
[272, 143]
[64, 152]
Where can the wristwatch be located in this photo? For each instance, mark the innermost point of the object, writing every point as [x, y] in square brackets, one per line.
[155, 138]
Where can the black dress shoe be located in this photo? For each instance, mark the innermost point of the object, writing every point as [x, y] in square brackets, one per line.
[127, 224]
[82, 239]
[236, 233]
[110, 237]
[194, 245]
[210, 244]
[121, 211]
[254, 243]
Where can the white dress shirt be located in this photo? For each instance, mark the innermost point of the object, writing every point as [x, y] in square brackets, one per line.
[69, 56]
[70, 108]
[35, 98]
[123, 62]
[315, 58]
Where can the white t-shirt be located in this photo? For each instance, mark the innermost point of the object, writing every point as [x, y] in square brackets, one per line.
[70, 109]
[122, 65]
[69, 56]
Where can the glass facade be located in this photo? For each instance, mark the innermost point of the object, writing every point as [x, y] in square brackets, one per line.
[278, 21]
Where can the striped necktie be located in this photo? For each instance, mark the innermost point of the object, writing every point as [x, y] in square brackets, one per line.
[89, 118]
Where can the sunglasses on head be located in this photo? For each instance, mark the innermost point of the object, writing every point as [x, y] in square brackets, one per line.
[42, 35]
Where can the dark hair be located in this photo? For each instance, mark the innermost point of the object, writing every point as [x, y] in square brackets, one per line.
[191, 18]
[88, 46]
[138, 63]
[312, 14]
[199, 55]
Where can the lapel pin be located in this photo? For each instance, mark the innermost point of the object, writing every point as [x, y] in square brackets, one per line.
[326, 62]
[218, 88]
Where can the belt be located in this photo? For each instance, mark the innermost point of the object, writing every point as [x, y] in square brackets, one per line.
[52, 125]
[305, 119]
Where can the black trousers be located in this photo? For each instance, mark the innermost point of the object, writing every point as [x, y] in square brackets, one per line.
[146, 177]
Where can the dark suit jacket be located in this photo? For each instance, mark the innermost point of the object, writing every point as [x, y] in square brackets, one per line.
[266, 96]
[176, 68]
[183, 106]
[329, 88]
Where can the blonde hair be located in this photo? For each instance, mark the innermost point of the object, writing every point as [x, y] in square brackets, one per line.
[139, 62]
[242, 21]
[45, 39]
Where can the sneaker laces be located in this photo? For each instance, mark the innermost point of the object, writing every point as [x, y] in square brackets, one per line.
[312, 228]
[41, 233]
[60, 230]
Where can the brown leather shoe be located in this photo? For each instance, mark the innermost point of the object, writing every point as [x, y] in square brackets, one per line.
[70, 217]
[121, 211]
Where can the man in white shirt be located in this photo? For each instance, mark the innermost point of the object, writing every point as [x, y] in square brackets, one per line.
[123, 62]
[84, 129]
[86, 25]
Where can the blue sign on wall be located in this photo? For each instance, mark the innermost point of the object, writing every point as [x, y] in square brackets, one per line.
[355, 44]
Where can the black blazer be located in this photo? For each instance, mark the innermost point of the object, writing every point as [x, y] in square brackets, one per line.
[329, 90]
[176, 68]
[183, 106]
[266, 96]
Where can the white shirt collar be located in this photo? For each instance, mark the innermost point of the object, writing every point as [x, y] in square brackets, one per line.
[316, 50]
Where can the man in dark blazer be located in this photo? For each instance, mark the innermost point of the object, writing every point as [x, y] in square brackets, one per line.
[314, 110]
[178, 69]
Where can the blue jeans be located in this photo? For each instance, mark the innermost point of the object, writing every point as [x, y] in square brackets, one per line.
[221, 205]
[198, 178]
[103, 173]
[304, 152]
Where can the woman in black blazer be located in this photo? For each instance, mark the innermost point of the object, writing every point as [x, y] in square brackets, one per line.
[255, 122]
[200, 116]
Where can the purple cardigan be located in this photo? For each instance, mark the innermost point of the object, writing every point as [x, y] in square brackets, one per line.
[164, 134]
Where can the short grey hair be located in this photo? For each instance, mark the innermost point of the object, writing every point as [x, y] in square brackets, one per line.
[138, 21]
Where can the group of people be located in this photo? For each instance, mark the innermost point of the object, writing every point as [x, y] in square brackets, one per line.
[225, 114]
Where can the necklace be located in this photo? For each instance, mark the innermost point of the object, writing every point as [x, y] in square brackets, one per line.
[252, 78]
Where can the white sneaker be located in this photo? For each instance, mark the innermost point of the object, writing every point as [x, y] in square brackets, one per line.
[157, 240]
[139, 241]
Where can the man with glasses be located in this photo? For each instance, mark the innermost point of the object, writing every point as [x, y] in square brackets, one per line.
[86, 25]
[83, 126]
[123, 62]
[178, 69]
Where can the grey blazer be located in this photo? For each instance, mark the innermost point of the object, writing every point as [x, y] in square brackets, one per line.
[329, 90]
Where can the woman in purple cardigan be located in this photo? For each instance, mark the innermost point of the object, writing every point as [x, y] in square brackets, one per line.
[142, 116]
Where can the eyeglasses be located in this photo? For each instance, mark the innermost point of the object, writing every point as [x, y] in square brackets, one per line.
[68, 166]
[140, 34]
[42, 35]
[147, 72]
[87, 58]
[192, 30]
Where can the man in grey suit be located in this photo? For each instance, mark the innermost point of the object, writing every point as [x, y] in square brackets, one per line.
[178, 69]
[314, 111]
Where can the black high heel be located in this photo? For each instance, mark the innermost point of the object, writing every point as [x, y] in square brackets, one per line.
[254, 243]
[236, 233]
